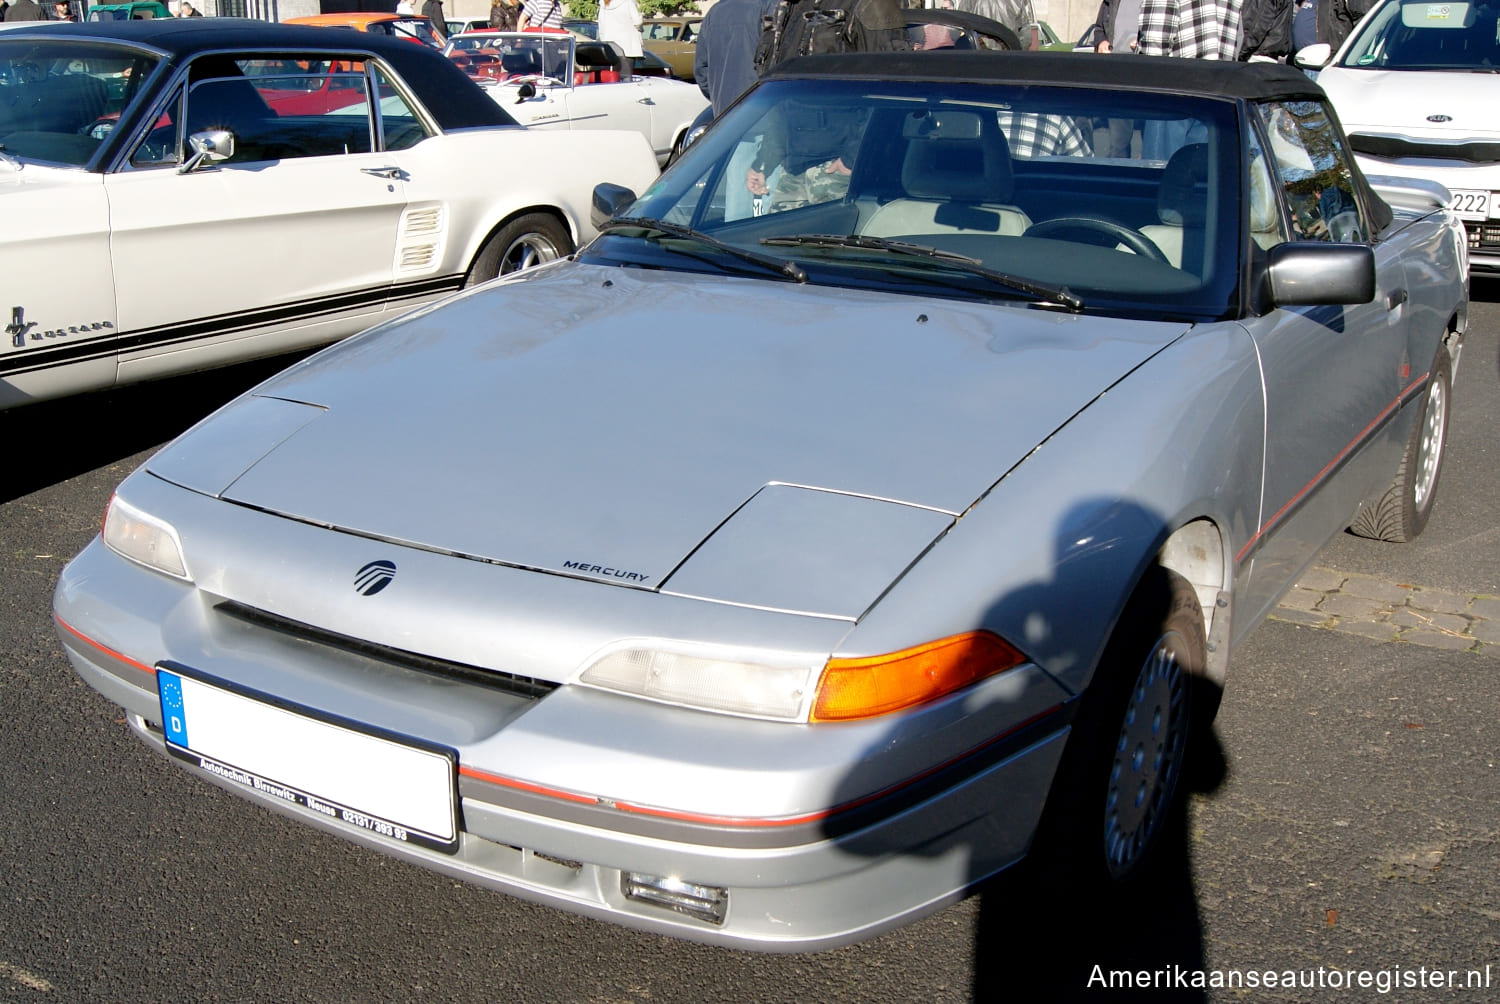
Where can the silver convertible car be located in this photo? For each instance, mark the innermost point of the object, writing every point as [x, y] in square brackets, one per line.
[879, 499]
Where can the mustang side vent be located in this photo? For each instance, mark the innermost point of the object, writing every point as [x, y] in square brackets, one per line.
[418, 249]
[416, 256]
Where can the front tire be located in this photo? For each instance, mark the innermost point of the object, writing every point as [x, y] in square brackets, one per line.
[525, 242]
[1401, 513]
[1120, 780]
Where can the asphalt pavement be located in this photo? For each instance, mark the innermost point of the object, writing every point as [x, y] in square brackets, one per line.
[1345, 824]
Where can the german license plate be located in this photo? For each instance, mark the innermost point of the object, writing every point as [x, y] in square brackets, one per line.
[387, 784]
[1469, 204]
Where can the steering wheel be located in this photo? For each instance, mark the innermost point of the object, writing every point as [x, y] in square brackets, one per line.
[1129, 236]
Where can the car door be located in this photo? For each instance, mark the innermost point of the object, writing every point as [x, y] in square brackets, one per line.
[57, 299]
[1334, 375]
[289, 242]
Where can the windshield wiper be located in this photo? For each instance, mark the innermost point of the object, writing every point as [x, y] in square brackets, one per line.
[1042, 291]
[11, 160]
[790, 269]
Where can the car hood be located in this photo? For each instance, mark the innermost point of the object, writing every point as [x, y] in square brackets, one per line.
[606, 422]
[1402, 102]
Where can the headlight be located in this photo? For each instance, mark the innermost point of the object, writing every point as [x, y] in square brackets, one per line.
[845, 689]
[881, 684]
[144, 539]
[703, 678]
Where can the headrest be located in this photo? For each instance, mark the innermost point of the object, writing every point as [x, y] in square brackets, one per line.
[521, 61]
[1182, 198]
[942, 166]
[601, 56]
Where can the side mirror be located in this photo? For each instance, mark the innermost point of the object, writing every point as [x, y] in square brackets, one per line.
[1313, 273]
[211, 147]
[1313, 57]
[609, 200]
[526, 91]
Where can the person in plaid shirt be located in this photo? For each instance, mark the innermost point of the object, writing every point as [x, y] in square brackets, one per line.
[1034, 135]
[1191, 29]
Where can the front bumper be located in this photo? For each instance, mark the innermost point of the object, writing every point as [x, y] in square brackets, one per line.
[1483, 234]
[846, 830]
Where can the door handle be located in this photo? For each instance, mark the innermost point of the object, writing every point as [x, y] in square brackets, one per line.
[644, 101]
[1395, 299]
[388, 173]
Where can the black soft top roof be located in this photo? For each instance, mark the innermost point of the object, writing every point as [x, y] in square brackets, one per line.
[454, 100]
[1217, 78]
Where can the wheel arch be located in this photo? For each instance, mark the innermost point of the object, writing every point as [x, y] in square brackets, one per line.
[1196, 551]
[544, 209]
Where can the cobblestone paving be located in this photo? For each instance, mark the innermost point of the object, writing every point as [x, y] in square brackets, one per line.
[1394, 611]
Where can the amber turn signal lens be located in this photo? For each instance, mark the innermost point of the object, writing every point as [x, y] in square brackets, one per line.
[880, 684]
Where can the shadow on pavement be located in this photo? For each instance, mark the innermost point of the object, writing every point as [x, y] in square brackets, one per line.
[56, 440]
[1038, 942]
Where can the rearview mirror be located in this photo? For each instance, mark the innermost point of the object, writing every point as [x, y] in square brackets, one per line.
[1313, 57]
[609, 200]
[1312, 273]
[526, 91]
[210, 147]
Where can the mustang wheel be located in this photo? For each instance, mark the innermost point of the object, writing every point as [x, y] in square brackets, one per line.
[1402, 511]
[534, 239]
[1118, 784]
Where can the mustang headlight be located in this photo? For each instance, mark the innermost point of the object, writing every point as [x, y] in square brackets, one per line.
[144, 539]
[704, 679]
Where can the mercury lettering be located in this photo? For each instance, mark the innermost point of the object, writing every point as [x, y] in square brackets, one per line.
[583, 566]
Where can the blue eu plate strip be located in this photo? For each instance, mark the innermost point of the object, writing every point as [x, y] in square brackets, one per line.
[173, 715]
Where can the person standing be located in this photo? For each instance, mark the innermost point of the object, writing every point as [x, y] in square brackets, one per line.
[620, 23]
[540, 14]
[1189, 29]
[724, 58]
[186, 9]
[24, 10]
[432, 10]
[1337, 18]
[504, 14]
[1120, 20]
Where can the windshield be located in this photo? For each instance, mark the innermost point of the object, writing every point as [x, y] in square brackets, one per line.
[1404, 35]
[999, 192]
[59, 99]
[503, 56]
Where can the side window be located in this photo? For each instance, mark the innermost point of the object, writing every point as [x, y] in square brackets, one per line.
[1312, 167]
[284, 108]
[400, 124]
[1266, 227]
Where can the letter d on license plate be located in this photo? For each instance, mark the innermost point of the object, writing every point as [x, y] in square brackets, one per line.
[388, 784]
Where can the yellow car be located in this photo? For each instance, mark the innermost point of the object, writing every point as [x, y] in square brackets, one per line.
[674, 39]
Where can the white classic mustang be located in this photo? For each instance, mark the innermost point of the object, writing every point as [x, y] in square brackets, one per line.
[312, 182]
[547, 80]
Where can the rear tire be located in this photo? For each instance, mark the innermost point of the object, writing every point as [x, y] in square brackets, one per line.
[1401, 513]
[524, 242]
[1120, 780]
